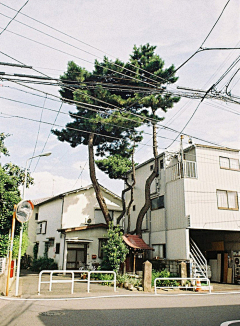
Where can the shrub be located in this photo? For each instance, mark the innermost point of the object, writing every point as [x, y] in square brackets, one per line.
[164, 273]
[43, 263]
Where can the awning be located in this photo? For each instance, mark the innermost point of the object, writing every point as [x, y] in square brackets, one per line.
[135, 242]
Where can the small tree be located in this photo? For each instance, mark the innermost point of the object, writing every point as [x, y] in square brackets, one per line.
[115, 250]
[11, 177]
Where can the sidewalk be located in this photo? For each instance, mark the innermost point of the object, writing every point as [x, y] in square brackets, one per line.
[28, 288]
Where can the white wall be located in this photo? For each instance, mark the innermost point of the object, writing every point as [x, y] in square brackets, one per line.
[200, 194]
[89, 234]
[51, 212]
[78, 207]
[177, 246]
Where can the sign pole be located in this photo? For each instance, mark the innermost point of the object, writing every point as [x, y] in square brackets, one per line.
[11, 249]
[24, 212]
[19, 259]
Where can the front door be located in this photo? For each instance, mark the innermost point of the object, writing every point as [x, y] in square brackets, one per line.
[76, 258]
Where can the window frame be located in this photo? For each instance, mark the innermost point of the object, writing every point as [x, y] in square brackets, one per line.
[229, 163]
[227, 198]
[40, 227]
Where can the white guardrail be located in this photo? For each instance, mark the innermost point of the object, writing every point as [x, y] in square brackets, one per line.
[180, 286]
[73, 279]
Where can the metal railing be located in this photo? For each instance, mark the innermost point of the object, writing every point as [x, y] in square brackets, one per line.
[73, 272]
[189, 170]
[98, 281]
[180, 286]
[199, 261]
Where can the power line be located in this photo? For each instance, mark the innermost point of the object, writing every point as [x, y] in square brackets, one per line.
[163, 79]
[73, 115]
[200, 47]
[49, 135]
[39, 126]
[147, 119]
[13, 17]
[80, 174]
[70, 128]
[77, 57]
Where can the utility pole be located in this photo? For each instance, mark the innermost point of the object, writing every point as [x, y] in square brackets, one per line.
[181, 157]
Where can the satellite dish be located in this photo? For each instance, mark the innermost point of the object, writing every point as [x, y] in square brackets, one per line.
[24, 211]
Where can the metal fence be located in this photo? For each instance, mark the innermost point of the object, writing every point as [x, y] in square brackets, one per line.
[73, 279]
[180, 286]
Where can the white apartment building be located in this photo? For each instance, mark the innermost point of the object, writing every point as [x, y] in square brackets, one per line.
[194, 208]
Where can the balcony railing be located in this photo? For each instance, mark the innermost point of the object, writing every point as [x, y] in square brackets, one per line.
[177, 171]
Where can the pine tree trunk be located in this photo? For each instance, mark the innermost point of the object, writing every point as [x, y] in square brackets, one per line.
[148, 183]
[129, 187]
[95, 183]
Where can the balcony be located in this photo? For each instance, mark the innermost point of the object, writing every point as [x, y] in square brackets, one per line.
[189, 170]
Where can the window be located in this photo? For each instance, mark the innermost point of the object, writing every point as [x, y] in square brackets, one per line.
[57, 251]
[157, 203]
[159, 251]
[101, 243]
[151, 167]
[134, 208]
[42, 227]
[229, 163]
[51, 242]
[36, 216]
[161, 164]
[227, 199]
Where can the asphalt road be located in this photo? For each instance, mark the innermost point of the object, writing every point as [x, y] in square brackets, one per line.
[197, 310]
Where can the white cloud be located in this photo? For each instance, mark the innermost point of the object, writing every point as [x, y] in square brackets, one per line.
[47, 184]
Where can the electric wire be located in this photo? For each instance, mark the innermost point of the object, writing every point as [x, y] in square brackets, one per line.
[49, 134]
[199, 49]
[163, 79]
[39, 126]
[14, 17]
[156, 121]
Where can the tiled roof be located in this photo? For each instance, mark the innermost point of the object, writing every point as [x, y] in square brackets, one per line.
[135, 242]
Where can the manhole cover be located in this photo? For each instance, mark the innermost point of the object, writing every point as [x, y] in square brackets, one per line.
[51, 313]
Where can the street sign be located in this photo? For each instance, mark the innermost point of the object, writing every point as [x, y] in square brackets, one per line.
[24, 211]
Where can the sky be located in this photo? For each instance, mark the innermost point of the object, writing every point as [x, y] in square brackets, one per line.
[103, 27]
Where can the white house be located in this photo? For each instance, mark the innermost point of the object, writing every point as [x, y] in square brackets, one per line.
[194, 200]
[70, 227]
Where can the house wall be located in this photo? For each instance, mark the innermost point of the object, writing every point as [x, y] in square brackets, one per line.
[79, 207]
[69, 211]
[200, 194]
[51, 212]
[32, 226]
[175, 208]
[93, 235]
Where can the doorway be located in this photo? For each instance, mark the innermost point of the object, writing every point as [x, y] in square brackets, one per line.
[76, 257]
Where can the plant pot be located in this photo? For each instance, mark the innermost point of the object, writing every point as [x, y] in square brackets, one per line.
[130, 286]
[126, 285]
